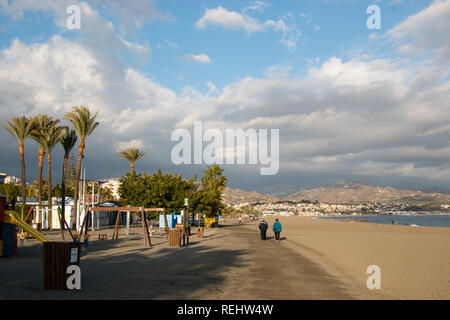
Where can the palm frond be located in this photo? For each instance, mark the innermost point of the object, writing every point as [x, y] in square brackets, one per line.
[20, 128]
[131, 154]
[69, 140]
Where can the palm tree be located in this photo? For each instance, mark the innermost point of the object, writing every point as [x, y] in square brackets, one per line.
[84, 123]
[41, 125]
[33, 189]
[106, 193]
[132, 155]
[52, 138]
[68, 142]
[20, 128]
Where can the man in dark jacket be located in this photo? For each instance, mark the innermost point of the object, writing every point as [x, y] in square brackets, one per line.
[263, 226]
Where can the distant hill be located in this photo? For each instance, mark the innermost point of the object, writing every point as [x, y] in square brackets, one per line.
[342, 192]
[236, 196]
[351, 191]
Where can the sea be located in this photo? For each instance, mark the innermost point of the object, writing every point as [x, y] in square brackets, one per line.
[413, 220]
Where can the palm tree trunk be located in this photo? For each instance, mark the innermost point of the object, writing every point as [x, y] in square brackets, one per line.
[41, 160]
[23, 181]
[49, 185]
[77, 181]
[131, 167]
[63, 190]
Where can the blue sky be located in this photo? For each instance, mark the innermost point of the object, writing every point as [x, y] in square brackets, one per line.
[350, 103]
[234, 53]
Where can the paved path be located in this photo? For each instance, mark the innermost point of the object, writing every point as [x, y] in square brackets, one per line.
[228, 263]
[278, 272]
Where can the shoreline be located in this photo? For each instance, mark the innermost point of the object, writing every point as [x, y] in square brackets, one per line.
[359, 218]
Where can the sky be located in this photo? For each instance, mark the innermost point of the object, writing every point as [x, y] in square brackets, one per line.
[350, 102]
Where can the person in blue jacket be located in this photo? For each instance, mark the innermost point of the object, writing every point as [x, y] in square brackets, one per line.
[277, 229]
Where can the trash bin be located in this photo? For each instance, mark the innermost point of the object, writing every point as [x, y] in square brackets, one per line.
[175, 237]
[57, 257]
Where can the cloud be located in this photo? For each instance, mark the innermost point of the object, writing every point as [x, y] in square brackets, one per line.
[425, 33]
[96, 31]
[367, 117]
[134, 143]
[228, 20]
[258, 6]
[200, 58]
[233, 20]
[353, 117]
[211, 87]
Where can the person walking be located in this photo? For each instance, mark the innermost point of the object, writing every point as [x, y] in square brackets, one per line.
[277, 229]
[263, 226]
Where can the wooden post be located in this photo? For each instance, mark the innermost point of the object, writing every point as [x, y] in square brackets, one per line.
[61, 224]
[143, 227]
[86, 214]
[116, 227]
[147, 241]
[28, 214]
[200, 230]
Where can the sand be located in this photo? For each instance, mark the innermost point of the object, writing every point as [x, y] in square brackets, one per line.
[414, 261]
[316, 259]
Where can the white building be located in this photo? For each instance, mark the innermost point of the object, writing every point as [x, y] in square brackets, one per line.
[12, 179]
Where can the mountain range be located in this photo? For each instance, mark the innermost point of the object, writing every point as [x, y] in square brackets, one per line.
[342, 192]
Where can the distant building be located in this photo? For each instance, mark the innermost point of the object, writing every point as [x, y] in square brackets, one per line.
[12, 179]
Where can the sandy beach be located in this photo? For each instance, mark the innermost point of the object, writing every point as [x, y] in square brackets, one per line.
[414, 261]
[316, 259]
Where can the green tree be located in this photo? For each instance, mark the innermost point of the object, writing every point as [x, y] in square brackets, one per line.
[84, 123]
[213, 186]
[20, 128]
[10, 190]
[132, 155]
[156, 191]
[169, 191]
[106, 193]
[33, 189]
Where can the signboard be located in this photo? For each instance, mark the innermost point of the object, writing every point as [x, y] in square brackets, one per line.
[186, 202]
[73, 255]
